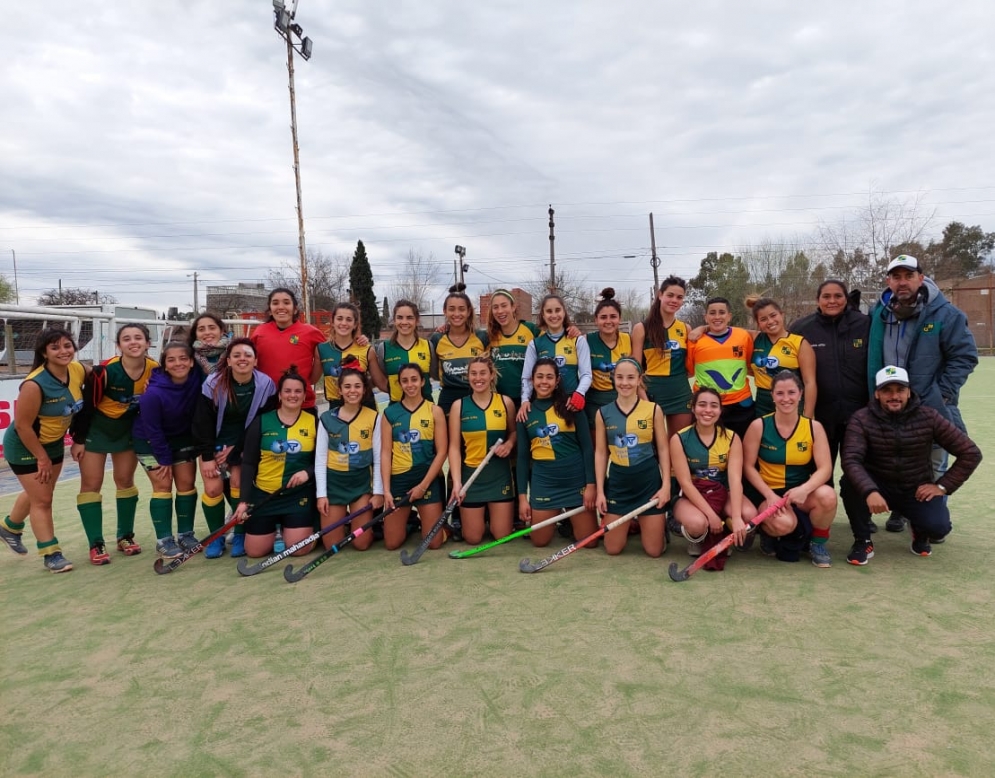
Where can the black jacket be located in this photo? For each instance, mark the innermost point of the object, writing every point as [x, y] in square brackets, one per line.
[840, 346]
[894, 449]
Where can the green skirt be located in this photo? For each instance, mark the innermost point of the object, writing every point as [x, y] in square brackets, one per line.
[110, 436]
[557, 485]
[630, 487]
[672, 393]
[492, 485]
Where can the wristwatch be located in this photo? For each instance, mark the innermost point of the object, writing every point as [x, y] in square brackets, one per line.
[942, 488]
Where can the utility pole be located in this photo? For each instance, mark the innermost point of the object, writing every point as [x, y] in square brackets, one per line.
[654, 260]
[196, 300]
[17, 294]
[552, 253]
[285, 25]
[61, 300]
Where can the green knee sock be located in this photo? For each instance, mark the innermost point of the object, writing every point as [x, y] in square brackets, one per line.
[127, 504]
[214, 511]
[91, 512]
[161, 510]
[186, 509]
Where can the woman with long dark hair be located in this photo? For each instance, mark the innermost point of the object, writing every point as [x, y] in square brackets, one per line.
[660, 344]
[104, 426]
[455, 347]
[555, 459]
[405, 347]
[607, 345]
[231, 398]
[347, 343]
[208, 340]
[707, 460]
[33, 445]
[284, 340]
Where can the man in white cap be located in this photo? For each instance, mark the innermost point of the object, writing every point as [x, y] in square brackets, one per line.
[913, 326]
[886, 455]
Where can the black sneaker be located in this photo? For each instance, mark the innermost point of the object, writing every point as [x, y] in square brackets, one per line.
[13, 540]
[872, 527]
[860, 552]
[895, 523]
[768, 545]
[920, 545]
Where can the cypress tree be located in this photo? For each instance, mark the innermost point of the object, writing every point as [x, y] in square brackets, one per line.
[361, 286]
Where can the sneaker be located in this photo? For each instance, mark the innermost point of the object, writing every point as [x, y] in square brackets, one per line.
[58, 563]
[920, 545]
[167, 548]
[99, 555]
[237, 545]
[937, 540]
[673, 525]
[872, 527]
[860, 552]
[215, 548]
[128, 546]
[13, 540]
[694, 549]
[820, 554]
[187, 541]
[895, 523]
[768, 545]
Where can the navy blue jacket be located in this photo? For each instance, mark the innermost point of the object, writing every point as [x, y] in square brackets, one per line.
[165, 411]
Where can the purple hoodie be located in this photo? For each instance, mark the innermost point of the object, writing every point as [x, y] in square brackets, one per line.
[165, 411]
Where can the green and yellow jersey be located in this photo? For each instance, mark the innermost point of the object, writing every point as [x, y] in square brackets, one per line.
[786, 462]
[412, 435]
[393, 355]
[284, 449]
[630, 435]
[508, 353]
[331, 357]
[709, 462]
[481, 428]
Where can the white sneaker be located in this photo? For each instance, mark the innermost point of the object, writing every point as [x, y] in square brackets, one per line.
[694, 549]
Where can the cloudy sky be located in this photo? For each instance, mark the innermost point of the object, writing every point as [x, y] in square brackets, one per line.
[141, 142]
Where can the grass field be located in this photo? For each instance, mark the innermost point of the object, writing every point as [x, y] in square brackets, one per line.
[595, 666]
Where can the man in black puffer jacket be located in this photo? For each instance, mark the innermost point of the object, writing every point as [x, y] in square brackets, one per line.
[886, 456]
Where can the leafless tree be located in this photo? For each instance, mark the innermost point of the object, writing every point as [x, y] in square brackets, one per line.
[327, 278]
[416, 280]
[575, 290]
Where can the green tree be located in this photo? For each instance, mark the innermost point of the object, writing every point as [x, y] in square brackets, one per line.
[726, 276]
[361, 291]
[6, 291]
[962, 253]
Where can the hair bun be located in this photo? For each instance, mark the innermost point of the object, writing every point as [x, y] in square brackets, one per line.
[751, 300]
[457, 288]
[607, 293]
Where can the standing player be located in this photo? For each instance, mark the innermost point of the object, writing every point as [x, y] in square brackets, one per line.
[508, 340]
[33, 445]
[775, 349]
[405, 347]
[110, 405]
[208, 340]
[344, 345]
[455, 347]
[661, 344]
[607, 345]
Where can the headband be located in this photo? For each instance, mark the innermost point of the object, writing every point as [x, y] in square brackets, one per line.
[502, 293]
[639, 368]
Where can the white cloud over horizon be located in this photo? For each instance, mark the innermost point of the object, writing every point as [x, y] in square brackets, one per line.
[142, 143]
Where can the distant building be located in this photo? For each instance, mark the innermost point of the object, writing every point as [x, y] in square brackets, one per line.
[976, 298]
[523, 300]
[231, 301]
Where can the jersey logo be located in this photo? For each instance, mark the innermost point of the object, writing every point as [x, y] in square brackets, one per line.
[737, 351]
[548, 432]
[560, 361]
[721, 381]
[521, 339]
[626, 441]
[643, 424]
[364, 434]
[786, 350]
[606, 367]
[285, 446]
[497, 413]
[802, 445]
[422, 356]
[333, 370]
[672, 345]
[294, 340]
[711, 473]
[568, 350]
[352, 447]
[858, 343]
[73, 407]
[410, 436]
[768, 363]
[425, 423]
[929, 326]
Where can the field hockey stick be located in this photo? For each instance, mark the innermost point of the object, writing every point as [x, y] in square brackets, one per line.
[527, 566]
[518, 534]
[450, 507]
[244, 568]
[162, 567]
[293, 576]
[722, 545]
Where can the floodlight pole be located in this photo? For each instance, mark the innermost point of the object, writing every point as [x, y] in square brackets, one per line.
[287, 30]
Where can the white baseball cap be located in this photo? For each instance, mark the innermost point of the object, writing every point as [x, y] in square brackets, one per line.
[891, 375]
[904, 262]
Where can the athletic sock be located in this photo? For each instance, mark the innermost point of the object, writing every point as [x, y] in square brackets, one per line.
[127, 505]
[91, 512]
[46, 547]
[214, 511]
[234, 496]
[161, 510]
[820, 536]
[186, 509]
[16, 527]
